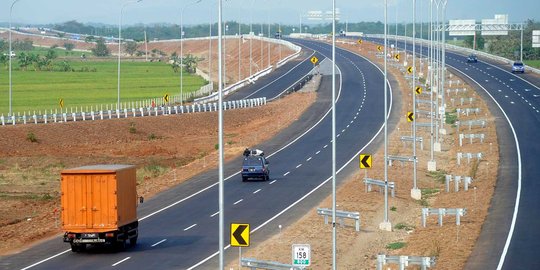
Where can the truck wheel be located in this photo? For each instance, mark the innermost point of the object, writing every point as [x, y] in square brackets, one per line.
[77, 247]
[133, 241]
[121, 245]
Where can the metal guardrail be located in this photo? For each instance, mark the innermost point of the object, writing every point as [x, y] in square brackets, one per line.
[469, 156]
[458, 212]
[455, 91]
[341, 215]
[381, 184]
[410, 139]
[471, 123]
[467, 180]
[427, 124]
[259, 264]
[125, 113]
[235, 86]
[467, 111]
[403, 261]
[424, 112]
[400, 159]
[471, 137]
[424, 101]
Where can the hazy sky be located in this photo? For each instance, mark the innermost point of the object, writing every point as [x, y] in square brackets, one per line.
[283, 11]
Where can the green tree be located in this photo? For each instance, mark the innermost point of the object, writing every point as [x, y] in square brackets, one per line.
[64, 66]
[69, 46]
[101, 49]
[51, 55]
[89, 39]
[25, 60]
[131, 47]
[190, 63]
[480, 41]
[4, 59]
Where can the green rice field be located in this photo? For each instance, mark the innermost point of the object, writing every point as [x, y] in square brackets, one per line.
[93, 83]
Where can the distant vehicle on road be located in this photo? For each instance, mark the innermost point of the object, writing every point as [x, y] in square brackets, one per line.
[518, 67]
[255, 165]
[472, 58]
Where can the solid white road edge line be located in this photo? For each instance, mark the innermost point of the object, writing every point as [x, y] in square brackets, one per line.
[518, 195]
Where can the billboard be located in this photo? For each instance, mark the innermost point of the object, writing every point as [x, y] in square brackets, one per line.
[495, 27]
[461, 27]
[536, 38]
[318, 15]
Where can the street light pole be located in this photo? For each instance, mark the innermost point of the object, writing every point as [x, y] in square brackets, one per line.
[239, 49]
[182, 50]
[334, 248]
[386, 225]
[120, 46]
[251, 38]
[443, 73]
[220, 141]
[10, 56]
[431, 78]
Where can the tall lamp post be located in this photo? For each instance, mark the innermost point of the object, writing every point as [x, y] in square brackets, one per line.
[120, 46]
[182, 50]
[10, 56]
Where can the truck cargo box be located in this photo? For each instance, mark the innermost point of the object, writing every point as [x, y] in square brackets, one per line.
[98, 198]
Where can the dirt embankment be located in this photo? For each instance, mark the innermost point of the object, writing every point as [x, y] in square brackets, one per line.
[166, 149]
[450, 244]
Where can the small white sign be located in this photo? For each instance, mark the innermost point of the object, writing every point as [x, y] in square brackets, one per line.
[301, 254]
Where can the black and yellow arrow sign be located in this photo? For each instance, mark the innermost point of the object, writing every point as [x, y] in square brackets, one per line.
[365, 161]
[396, 56]
[314, 60]
[410, 117]
[166, 97]
[61, 103]
[359, 41]
[239, 235]
[418, 90]
[409, 70]
[379, 48]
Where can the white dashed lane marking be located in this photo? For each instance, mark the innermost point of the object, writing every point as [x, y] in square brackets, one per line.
[214, 214]
[272, 182]
[299, 165]
[254, 192]
[121, 261]
[285, 174]
[159, 242]
[237, 202]
[318, 152]
[190, 227]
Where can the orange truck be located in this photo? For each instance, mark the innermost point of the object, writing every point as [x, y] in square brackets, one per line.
[99, 206]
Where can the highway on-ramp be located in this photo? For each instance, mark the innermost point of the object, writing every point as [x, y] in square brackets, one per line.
[179, 227]
[510, 234]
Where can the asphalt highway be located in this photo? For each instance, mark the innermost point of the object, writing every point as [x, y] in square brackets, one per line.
[179, 227]
[510, 234]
